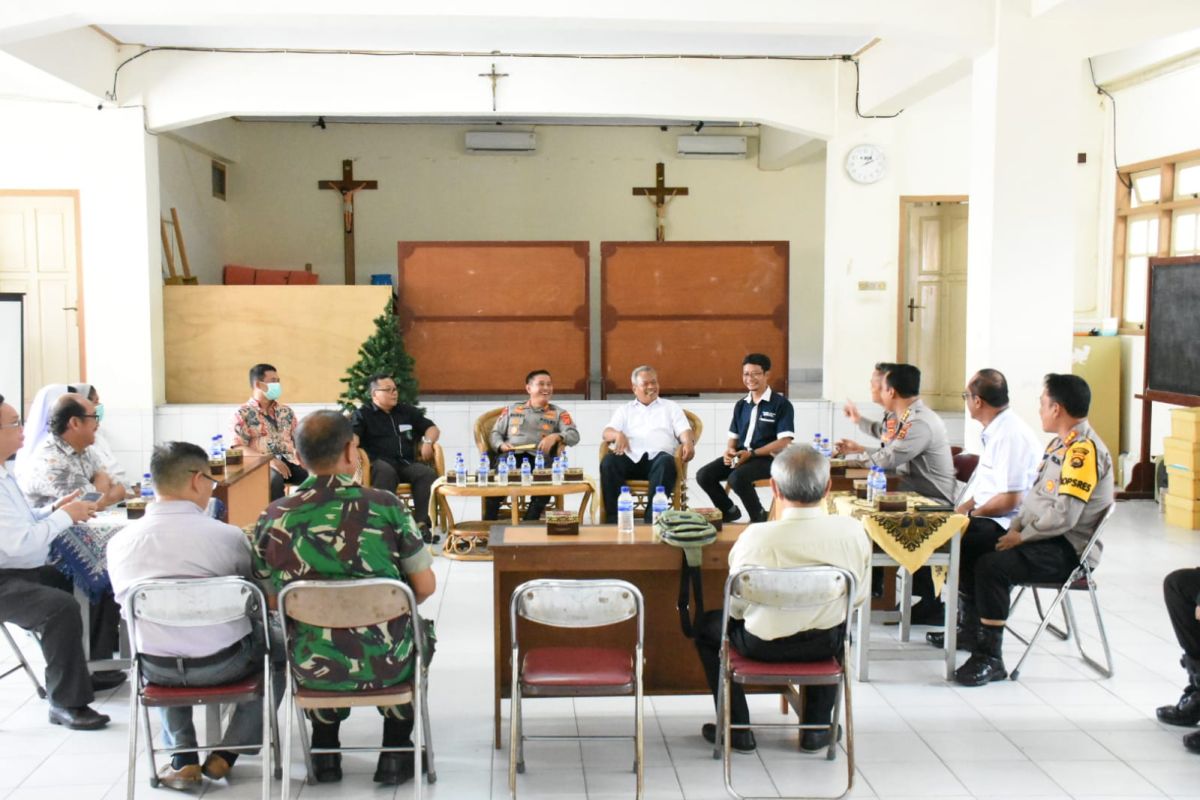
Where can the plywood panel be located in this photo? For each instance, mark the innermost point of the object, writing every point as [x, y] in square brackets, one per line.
[212, 335]
[477, 316]
[693, 310]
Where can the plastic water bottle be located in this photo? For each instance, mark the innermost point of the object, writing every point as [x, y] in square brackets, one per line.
[825, 449]
[526, 473]
[460, 470]
[659, 504]
[871, 485]
[215, 451]
[511, 462]
[556, 472]
[563, 459]
[625, 514]
[481, 477]
[147, 488]
[221, 443]
[539, 460]
[816, 442]
[502, 472]
[878, 484]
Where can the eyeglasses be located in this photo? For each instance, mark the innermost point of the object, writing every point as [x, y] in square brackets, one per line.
[91, 416]
[17, 424]
[202, 473]
[965, 395]
[753, 374]
[388, 389]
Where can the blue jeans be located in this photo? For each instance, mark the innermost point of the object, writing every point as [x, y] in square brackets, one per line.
[246, 658]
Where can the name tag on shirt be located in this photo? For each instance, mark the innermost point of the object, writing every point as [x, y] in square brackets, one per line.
[403, 428]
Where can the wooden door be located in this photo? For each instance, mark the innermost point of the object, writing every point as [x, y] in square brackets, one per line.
[933, 321]
[39, 258]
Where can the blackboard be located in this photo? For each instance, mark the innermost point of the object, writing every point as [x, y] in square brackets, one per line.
[1173, 330]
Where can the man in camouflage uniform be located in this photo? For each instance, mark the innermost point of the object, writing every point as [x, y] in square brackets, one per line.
[1069, 498]
[536, 422]
[335, 529]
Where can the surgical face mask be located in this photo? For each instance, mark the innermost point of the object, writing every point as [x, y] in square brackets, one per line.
[99, 412]
[274, 390]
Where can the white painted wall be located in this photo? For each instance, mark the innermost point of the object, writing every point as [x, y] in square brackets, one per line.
[185, 183]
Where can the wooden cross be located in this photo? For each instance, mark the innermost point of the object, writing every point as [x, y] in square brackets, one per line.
[348, 187]
[495, 76]
[660, 195]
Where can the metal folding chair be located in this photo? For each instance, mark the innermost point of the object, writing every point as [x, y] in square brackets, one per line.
[575, 671]
[1080, 579]
[191, 603]
[785, 589]
[357, 604]
[22, 662]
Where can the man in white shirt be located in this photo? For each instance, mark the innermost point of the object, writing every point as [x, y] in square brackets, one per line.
[1006, 470]
[176, 539]
[644, 433]
[37, 597]
[804, 535]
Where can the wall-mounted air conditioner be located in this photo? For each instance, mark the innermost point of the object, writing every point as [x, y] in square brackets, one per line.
[711, 146]
[510, 142]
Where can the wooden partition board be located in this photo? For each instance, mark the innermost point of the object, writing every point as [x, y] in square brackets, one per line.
[693, 310]
[478, 316]
[212, 335]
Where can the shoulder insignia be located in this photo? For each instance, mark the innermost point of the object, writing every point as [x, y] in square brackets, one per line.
[566, 418]
[1079, 470]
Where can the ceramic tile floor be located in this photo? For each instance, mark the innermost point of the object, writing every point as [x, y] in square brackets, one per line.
[1060, 732]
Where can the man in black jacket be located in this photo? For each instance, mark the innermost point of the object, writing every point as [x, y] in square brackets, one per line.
[390, 432]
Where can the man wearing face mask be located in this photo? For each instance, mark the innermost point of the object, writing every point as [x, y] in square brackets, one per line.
[265, 427]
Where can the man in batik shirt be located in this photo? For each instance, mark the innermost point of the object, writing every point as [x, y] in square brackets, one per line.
[335, 529]
[264, 426]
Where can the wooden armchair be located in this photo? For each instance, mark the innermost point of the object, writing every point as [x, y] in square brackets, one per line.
[642, 490]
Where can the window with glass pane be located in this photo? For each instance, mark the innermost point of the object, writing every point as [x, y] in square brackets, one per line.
[1187, 180]
[1142, 242]
[1147, 188]
[1184, 233]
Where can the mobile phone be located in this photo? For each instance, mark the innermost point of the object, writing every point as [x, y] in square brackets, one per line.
[91, 497]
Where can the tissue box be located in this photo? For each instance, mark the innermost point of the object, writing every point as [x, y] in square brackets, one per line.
[562, 523]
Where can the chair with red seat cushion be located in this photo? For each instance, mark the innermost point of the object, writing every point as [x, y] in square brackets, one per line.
[1080, 580]
[186, 604]
[575, 671]
[964, 466]
[786, 589]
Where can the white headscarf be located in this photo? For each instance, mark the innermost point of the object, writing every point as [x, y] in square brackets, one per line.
[37, 424]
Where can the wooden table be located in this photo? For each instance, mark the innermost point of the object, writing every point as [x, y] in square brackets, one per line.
[245, 489]
[527, 552]
[468, 541]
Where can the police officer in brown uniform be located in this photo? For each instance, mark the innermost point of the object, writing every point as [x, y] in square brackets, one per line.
[1069, 498]
[536, 422]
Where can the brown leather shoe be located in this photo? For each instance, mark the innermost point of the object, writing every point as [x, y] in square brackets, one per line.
[186, 777]
[216, 767]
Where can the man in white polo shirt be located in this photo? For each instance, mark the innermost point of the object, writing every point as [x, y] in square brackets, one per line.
[643, 434]
[1006, 470]
[176, 539]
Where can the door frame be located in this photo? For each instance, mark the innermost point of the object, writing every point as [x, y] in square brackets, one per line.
[902, 260]
[79, 315]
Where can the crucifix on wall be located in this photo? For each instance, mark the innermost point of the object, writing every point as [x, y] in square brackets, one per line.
[659, 196]
[494, 76]
[348, 186]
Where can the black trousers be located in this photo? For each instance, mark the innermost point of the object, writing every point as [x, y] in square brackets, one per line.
[741, 480]
[616, 469]
[978, 540]
[997, 572]
[298, 475]
[387, 475]
[814, 645]
[535, 506]
[1181, 590]
[41, 600]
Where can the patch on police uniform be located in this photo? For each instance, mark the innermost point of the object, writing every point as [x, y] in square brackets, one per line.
[566, 418]
[1049, 486]
[1079, 471]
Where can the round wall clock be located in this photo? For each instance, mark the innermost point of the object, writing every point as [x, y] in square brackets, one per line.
[866, 163]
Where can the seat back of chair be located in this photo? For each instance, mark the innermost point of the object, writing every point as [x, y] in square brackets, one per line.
[964, 466]
[483, 427]
[792, 588]
[577, 604]
[187, 603]
[363, 475]
[346, 604]
[1095, 537]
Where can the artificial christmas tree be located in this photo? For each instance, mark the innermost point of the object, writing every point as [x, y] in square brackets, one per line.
[382, 353]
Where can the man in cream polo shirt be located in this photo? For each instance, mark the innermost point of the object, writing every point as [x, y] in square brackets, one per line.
[643, 434]
[805, 535]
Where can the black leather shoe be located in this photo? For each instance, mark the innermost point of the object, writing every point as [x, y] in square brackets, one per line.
[428, 536]
[732, 515]
[83, 718]
[742, 741]
[1185, 712]
[980, 670]
[327, 767]
[816, 741]
[394, 769]
[929, 612]
[1192, 741]
[761, 516]
[966, 641]
[107, 679]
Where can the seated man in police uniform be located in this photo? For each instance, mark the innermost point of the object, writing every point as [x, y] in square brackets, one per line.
[763, 425]
[535, 425]
[389, 430]
[883, 428]
[919, 452]
[1006, 470]
[1069, 498]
